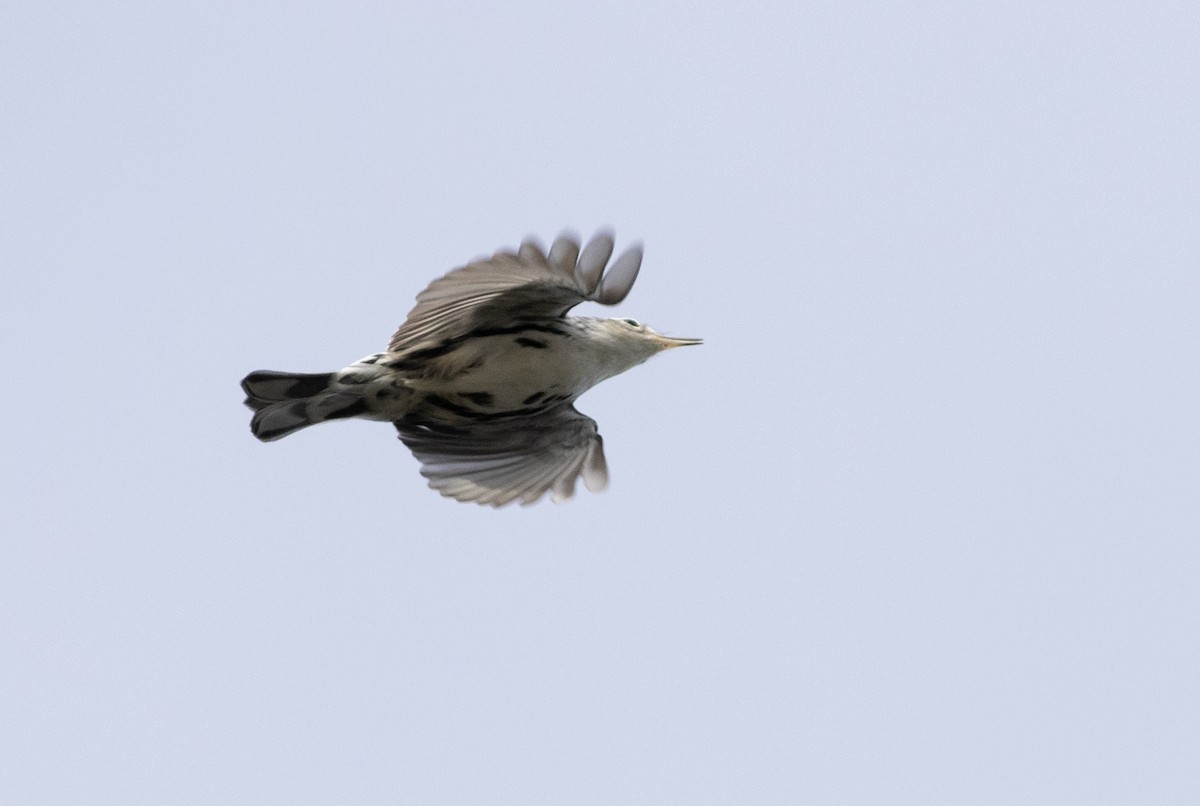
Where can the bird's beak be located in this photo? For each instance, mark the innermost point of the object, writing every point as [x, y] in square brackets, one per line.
[667, 342]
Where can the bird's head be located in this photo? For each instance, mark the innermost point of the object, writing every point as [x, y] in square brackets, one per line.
[633, 331]
[621, 344]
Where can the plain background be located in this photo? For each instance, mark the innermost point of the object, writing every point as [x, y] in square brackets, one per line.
[918, 524]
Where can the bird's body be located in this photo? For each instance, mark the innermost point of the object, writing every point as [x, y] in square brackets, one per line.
[481, 377]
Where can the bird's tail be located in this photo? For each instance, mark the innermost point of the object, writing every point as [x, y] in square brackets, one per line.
[284, 402]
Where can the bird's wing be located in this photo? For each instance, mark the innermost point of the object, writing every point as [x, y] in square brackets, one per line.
[492, 292]
[500, 462]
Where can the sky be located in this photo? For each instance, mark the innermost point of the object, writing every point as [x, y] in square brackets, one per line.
[917, 524]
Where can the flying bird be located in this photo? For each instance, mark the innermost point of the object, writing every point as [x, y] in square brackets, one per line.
[482, 377]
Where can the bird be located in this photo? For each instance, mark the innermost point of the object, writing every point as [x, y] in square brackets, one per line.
[481, 379]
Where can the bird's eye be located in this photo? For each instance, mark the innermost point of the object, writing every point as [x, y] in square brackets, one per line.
[632, 322]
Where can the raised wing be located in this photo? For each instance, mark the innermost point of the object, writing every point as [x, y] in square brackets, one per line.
[501, 462]
[531, 284]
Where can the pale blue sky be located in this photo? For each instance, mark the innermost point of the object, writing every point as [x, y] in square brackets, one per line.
[917, 524]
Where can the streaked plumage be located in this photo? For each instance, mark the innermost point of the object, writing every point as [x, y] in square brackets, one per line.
[481, 377]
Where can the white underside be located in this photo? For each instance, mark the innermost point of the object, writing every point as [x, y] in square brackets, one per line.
[511, 373]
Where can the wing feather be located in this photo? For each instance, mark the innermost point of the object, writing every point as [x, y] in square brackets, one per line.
[501, 462]
[492, 292]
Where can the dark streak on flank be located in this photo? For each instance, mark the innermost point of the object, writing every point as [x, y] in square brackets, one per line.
[480, 398]
[471, 414]
[416, 359]
[534, 398]
[535, 343]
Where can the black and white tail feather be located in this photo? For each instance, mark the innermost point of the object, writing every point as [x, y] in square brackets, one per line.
[285, 402]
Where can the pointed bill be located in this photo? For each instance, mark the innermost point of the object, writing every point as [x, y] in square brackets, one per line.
[667, 342]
